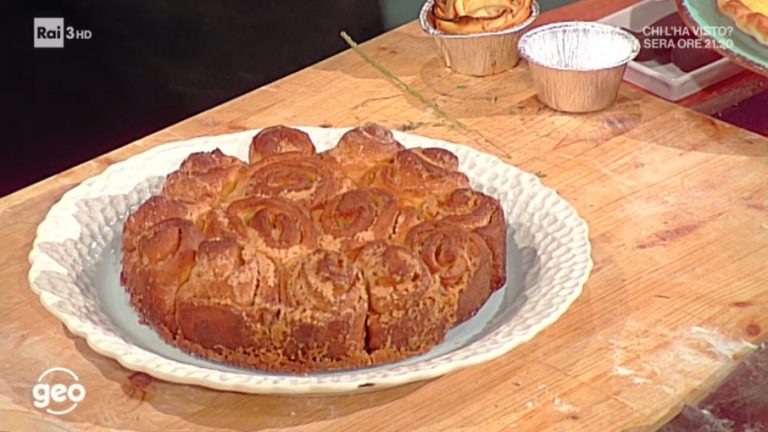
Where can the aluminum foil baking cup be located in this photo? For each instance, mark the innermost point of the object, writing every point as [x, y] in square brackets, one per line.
[477, 54]
[578, 66]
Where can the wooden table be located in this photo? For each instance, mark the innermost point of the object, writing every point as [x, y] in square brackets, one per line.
[677, 205]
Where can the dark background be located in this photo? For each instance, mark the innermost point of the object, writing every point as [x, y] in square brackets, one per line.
[149, 64]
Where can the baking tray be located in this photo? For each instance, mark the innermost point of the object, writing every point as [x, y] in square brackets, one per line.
[666, 80]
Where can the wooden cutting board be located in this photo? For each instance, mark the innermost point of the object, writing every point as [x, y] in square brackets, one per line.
[677, 205]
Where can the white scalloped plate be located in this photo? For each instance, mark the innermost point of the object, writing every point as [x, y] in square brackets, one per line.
[75, 263]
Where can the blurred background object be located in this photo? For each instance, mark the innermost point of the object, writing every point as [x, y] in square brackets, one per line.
[149, 64]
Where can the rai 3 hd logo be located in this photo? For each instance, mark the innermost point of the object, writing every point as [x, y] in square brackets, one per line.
[51, 33]
[58, 391]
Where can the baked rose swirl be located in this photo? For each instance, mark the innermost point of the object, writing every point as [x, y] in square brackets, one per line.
[324, 312]
[278, 140]
[396, 278]
[226, 273]
[204, 178]
[214, 305]
[153, 211]
[418, 173]
[308, 181]
[359, 215]
[479, 16]
[281, 228]
[163, 260]
[459, 259]
[323, 281]
[363, 147]
[477, 212]
[403, 308]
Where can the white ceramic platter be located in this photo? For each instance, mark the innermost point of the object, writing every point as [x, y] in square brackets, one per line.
[76, 265]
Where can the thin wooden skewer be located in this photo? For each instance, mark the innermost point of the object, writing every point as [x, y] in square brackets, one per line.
[410, 90]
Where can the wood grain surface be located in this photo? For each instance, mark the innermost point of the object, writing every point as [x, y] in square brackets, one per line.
[677, 206]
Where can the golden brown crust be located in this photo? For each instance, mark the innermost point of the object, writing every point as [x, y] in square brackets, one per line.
[324, 308]
[204, 179]
[161, 262]
[480, 213]
[282, 343]
[279, 139]
[363, 147]
[279, 227]
[415, 174]
[153, 211]
[300, 262]
[459, 260]
[311, 181]
[359, 216]
[222, 274]
[405, 315]
[368, 144]
[323, 281]
[478, 16]
[749, 21]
